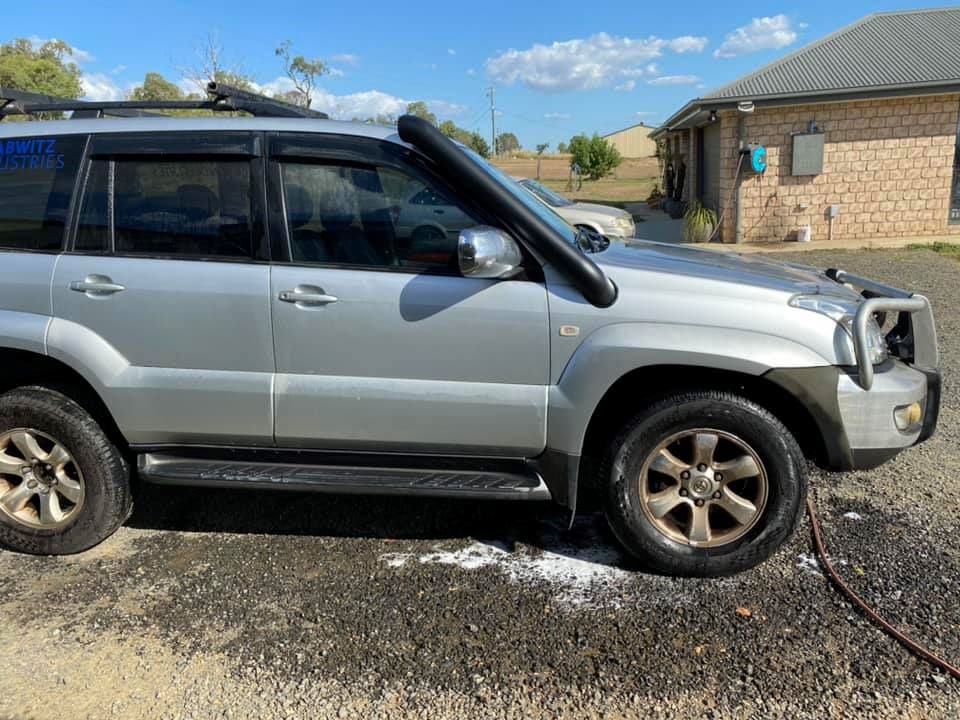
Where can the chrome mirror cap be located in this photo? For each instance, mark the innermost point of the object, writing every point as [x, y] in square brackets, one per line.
[486, 252]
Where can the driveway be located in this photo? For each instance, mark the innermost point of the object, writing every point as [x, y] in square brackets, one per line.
[214, 604]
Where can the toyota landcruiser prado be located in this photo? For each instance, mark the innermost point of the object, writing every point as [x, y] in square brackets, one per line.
[251, 302]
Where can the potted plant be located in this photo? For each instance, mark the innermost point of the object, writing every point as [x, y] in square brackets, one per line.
[699, 222]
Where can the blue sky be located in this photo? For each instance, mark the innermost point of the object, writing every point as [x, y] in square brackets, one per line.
[558, 68]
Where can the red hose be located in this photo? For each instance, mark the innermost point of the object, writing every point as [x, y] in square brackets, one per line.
[835, 578]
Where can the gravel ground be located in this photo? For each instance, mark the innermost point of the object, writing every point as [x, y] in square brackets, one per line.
[228, 604]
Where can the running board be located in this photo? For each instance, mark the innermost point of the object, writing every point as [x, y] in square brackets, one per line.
[516, 482]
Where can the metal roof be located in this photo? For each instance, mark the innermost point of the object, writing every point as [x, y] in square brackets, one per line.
[897, 53]
[883, 50]
[629, 127]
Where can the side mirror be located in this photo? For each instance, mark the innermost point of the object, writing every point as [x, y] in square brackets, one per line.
[486, 252]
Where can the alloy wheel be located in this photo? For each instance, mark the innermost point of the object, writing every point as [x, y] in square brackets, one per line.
[41, 485]
[703, 488]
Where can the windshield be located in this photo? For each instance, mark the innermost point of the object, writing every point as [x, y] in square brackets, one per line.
[559, 225]
[546, 194]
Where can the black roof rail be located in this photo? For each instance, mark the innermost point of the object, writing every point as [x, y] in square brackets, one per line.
[222, 98]
[21, 102]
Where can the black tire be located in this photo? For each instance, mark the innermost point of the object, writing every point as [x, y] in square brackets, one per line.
[765, 435]
[107, 500]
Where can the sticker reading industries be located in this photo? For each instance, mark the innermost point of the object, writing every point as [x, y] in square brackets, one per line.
[30, 154]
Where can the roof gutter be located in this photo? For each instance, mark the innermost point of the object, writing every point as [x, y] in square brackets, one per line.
[699, 105]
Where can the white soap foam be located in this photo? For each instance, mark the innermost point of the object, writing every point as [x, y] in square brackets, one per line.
[581, 566]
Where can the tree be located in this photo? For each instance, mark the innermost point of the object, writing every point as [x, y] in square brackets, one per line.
[507, 143]
[562, 148]
[541, 147]
[420, 110]
[596, 156]
[210, 65]
[478, 145]
[303, 73]
[156, 87]
[473, 140]
[46, 69]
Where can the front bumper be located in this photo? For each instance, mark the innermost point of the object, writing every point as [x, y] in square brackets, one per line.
[853, 408]
[868, 415]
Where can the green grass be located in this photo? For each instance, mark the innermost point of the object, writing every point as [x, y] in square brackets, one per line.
[943, 248]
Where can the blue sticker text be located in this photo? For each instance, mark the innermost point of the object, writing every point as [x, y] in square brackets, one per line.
[30, 154]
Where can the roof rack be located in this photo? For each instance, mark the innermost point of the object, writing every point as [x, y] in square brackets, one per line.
[222, 98]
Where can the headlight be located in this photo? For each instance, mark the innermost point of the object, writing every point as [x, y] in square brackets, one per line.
[843, 313]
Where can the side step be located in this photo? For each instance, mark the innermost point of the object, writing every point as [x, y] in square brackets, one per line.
[504, 480]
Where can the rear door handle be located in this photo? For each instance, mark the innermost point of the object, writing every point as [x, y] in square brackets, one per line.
[307, 295]
[96, 285]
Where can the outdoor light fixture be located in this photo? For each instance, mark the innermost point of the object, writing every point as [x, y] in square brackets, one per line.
[713, 116]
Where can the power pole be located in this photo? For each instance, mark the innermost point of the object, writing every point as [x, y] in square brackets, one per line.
[493, 121]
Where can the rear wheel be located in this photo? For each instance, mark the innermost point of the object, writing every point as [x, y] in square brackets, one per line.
[64, 486]
[704, 483]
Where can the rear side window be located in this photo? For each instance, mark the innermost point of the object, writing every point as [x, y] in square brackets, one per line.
[37, 176]
[168, 208]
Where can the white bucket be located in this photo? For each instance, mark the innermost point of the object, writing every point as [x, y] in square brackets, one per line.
[804, 234]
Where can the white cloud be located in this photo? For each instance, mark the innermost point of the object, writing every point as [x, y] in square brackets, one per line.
[766, 33]
[118, 69]
[628, 86]
[451, 51]
[335, 72]
[98, 86]
[675, 80]
[584, 64]
[346, 59]
[646, 113]
[471, 72]
[688, 43]
[557, 116]
[365, 104]
[76, 54]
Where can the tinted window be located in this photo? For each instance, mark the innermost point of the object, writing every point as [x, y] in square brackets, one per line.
[37, 175]
[168, 208]
[370, 216]
[93, 231]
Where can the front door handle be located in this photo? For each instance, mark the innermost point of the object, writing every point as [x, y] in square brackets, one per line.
[96, 286]
[307, 295]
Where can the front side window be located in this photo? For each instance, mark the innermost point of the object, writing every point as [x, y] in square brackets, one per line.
[37, 176]
[548, 216]
[168, 208]
[370, 216]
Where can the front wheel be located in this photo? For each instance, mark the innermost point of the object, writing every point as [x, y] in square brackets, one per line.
[704, 484]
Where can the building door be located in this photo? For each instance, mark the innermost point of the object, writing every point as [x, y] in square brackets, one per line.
[710, 166]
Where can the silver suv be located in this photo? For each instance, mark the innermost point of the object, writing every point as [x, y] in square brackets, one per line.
[241, 302]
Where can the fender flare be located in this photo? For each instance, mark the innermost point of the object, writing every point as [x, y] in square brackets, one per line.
[610, 353]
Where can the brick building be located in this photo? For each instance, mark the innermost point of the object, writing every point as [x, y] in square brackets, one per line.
[860, 131]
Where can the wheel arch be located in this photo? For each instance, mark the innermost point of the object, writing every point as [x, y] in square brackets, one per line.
[642, 386]
[23, 368]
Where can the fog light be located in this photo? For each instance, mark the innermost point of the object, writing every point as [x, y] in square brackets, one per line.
[908, 417]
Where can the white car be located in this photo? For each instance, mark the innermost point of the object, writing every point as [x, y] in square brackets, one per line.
[603, 219]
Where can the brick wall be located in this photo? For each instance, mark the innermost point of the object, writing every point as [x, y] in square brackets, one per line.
[888, 164]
